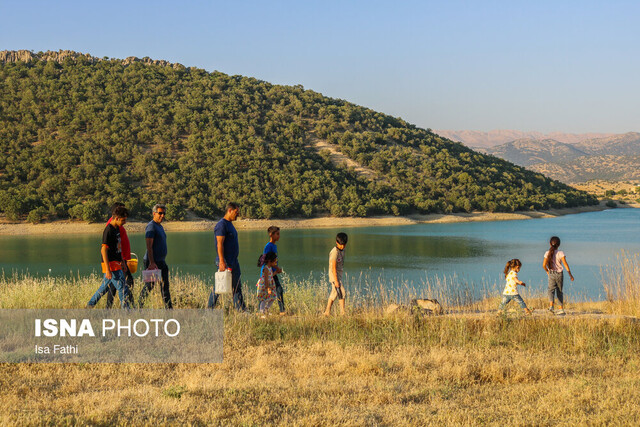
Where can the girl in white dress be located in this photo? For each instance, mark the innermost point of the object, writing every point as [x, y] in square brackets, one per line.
[511, 288]
[266, 284]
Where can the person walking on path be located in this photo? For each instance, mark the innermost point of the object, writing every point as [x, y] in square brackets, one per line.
[126, 256]
[511, 288]
[154, 258]
[114, 266]
[336, 266]
[227, 251]
[266, 285]
[553, 262]
[274, 236]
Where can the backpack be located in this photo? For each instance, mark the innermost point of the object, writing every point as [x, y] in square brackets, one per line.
[261, 260]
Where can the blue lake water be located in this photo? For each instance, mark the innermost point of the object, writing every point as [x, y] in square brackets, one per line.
[462, 254]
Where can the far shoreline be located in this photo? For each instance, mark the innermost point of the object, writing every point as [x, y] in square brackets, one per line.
[79, 227]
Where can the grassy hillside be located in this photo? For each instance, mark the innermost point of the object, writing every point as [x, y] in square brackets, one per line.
[587, 168]
[526, 152]
[78, 133]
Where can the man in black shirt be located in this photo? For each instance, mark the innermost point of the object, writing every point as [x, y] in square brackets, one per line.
[112, 262]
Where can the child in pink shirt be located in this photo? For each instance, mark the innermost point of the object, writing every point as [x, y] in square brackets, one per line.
[553, 266]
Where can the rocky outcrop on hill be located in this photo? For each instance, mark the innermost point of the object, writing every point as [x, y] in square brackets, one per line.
[15, 56]
[28, 56]
[61, 55]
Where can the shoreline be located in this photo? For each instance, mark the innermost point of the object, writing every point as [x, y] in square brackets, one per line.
[78, 227]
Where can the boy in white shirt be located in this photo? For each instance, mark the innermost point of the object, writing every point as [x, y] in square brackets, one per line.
[336, 265]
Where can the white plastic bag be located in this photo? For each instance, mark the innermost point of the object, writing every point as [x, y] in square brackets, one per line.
[152, 275]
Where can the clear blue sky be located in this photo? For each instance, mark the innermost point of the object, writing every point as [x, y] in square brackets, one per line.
[570, 66]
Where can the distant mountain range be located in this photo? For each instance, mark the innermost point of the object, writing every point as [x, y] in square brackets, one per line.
[614, 157]
[619, 145]
[479, 139]
[527, 152]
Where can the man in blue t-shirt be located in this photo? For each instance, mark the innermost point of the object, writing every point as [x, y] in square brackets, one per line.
[227, 251]
[154, 258]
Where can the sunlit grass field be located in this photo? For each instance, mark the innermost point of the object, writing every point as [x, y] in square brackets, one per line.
[367, 368]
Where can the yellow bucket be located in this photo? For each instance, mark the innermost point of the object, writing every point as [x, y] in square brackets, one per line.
[132, 264]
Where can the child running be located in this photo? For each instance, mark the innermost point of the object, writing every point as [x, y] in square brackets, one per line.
[552, 264]
[336, 265]
[266, 285]
[511, 289]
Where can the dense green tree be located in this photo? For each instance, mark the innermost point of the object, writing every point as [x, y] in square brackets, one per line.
[36, 215]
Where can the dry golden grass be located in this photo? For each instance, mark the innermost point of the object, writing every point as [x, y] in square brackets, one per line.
[622, 284]
[464, 372]
[364, 369]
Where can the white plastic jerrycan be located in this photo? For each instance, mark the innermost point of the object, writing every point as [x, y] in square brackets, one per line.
[223, 282]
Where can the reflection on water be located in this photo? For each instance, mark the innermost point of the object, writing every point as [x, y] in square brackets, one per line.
[470, 253]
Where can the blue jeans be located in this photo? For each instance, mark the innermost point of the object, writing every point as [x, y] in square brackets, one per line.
[506, 299]
[118, 282]
[112, 290]
[236, 288]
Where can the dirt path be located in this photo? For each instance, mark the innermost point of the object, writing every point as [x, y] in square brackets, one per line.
[544, 314]
[339, 159]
